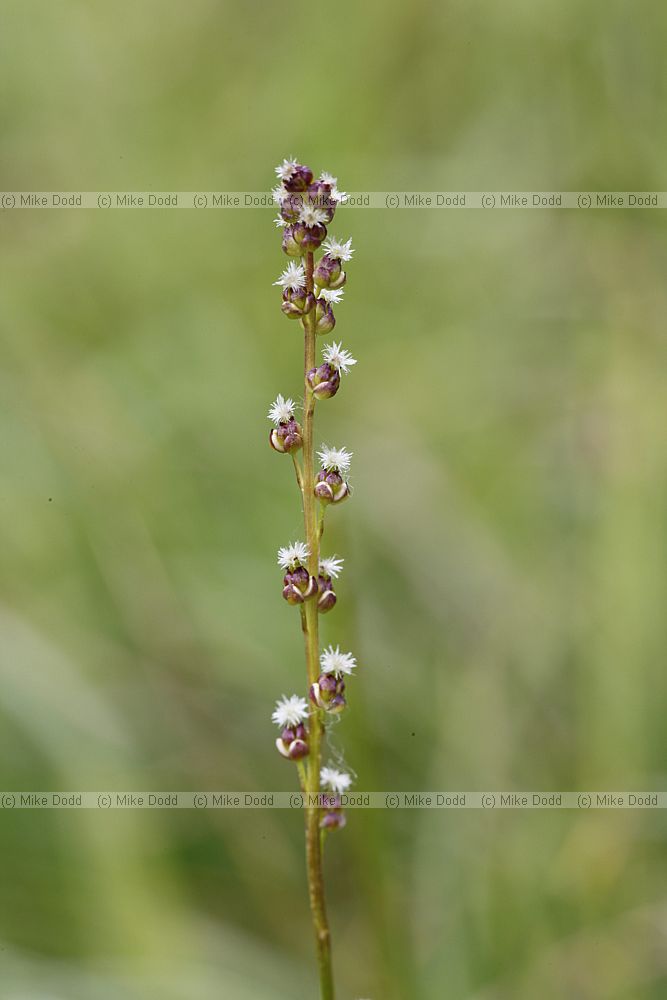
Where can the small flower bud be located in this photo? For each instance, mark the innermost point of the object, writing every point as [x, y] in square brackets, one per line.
[329, 273]
[286, 437]
[324, 317]
[326, 594]
[297, 302]
[330, 487]
[299, 178]
[299, 586]
[290, 245]
[333, 819]
[293, 742]
[311, 237]
[324, 381]
[330, 570]
[290, 714]
[328, 693]
[320, 195]
[336, 784]
[291, 206]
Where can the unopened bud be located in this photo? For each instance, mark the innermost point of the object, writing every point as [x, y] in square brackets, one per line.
[328, 693]
[290, 207]
[299, 585]
[312, 236]
[325, 320]
[330, 487]
[297, 302]
[290, 245]
[329, 273]
[324, 381]
[299, 178]
[333, 817]
[326, 594]
[293, 743]
[286, 437]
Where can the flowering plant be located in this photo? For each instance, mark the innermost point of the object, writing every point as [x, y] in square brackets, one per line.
[310, 289]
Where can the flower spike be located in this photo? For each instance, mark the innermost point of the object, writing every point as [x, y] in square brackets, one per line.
[312, 285]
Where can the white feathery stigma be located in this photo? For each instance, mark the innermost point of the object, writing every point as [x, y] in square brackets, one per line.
[331, 294]
[294, 276]
[311, 215]
[335, 458]
[335, 248]
[337, 781]
[331, 566]
[328, 179]
[293, 555]
[290, 711]
[335, 355]
[279, 222]
[285, 169]
[332, 661]
[281, 411]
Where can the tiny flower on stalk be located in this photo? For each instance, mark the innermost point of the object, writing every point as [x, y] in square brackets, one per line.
[297, 301]
[286, 435]
[290, 714]
[325, 380]
[338, 782]
[293, 555]
[331, 485]
[330, 569]
[298, 584]
[328, 692]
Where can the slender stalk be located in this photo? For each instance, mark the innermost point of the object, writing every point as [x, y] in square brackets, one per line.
[297, 470]
[310, 625]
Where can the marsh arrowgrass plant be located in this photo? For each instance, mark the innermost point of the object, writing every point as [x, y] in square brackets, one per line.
[310, 290]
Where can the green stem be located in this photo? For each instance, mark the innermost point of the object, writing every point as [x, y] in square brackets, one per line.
[310, 625]
[297, 470]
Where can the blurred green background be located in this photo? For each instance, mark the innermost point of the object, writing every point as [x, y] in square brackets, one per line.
[505, 580]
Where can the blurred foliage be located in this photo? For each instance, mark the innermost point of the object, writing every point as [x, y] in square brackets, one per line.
[505, 578]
